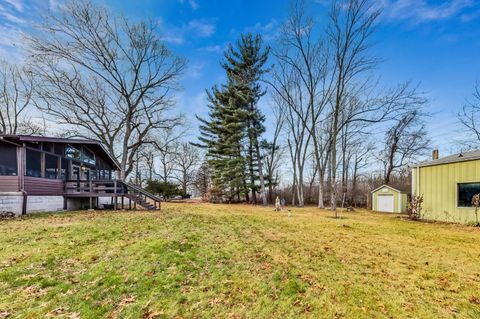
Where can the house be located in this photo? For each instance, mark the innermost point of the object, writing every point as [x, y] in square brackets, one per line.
[50, 174]
[389, 199]
[448, 185]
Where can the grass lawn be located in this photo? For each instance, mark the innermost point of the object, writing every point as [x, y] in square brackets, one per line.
[229, 261]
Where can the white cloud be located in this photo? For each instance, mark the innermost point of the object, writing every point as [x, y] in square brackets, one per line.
[420, 11]
[201, 28]
[11, 15]
[11, 43]
[193, 4]
[268, 30]
[192, 29]
[214, 48]
[54, 5]
[195, 70]
[173, 39]
[16, 4]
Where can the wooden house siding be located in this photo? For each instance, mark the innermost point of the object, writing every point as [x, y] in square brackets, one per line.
[43, 186]
[9, 184]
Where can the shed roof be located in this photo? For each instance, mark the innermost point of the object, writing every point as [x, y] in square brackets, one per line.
[388, 186]
[455, 158]
[95, 145]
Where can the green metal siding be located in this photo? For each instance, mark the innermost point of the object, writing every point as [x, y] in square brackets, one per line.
[438, 184]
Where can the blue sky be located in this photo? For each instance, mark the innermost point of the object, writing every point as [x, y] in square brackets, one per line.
[433, 43]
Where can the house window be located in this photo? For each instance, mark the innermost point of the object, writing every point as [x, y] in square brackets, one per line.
[465, 193]
[33, 163]
[51, 166]
[88, 157]
[73, 152]
[8, 160]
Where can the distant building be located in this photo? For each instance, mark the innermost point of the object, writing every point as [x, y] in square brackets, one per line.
[389, 200]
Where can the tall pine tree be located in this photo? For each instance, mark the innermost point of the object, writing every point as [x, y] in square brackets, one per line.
[244, 65]
[232, 132]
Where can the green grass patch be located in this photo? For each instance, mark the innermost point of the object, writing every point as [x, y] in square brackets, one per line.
[236, 261]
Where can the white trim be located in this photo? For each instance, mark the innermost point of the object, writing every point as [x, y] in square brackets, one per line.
[384, 185]
[399, 203]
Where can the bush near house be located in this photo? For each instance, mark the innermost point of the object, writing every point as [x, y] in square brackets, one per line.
[236, 261]
[165, 189]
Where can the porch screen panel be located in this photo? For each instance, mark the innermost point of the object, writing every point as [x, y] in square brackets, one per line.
[465, 193]
[51, 166]
[8, 160]
[33, 163]
[64, 171]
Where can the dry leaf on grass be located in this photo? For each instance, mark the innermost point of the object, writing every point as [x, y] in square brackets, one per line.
[150, 314]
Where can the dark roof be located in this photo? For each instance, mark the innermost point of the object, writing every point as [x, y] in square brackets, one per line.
[455, 158]
[94, 145]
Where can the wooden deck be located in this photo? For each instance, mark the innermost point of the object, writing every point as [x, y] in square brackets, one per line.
[92, 189]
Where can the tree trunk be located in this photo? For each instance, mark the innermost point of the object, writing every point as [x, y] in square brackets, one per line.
[260, 174]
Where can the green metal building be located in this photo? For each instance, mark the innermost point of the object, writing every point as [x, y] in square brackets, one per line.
[389, 200]
[448, 185]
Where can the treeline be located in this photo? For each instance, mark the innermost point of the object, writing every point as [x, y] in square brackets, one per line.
[328, 109]
[330, 130]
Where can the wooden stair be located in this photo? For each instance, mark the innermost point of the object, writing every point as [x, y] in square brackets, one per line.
[140, 196]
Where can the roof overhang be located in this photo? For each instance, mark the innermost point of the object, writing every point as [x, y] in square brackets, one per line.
[94, 144]
[387, 186]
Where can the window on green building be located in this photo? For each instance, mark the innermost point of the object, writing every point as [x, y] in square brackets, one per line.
[465, 193]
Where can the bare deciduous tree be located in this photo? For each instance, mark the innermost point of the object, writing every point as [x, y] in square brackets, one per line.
[106, 78]
[301, 81]
[273, 153]
[351, 25]
[469, 118]
[16, 88]
[186, 165]
[404, 141]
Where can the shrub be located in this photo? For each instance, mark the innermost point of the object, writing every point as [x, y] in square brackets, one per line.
[415, 207]
[476, 205]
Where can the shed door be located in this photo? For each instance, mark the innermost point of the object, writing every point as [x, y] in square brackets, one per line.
[385, 203]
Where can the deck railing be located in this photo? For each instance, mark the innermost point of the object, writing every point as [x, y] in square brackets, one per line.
[94, 187]
[111, 188]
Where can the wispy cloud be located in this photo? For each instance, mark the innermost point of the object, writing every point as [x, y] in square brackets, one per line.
[421, 11]
[15, 4]
[173, 39]
[268, 30]
[11, 43]
[214, 48]
[201, 28]
[189, 30]
[193, 4]
[11, 11]
[195, 70]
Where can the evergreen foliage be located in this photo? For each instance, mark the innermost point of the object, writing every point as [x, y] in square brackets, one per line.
[234, 125]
